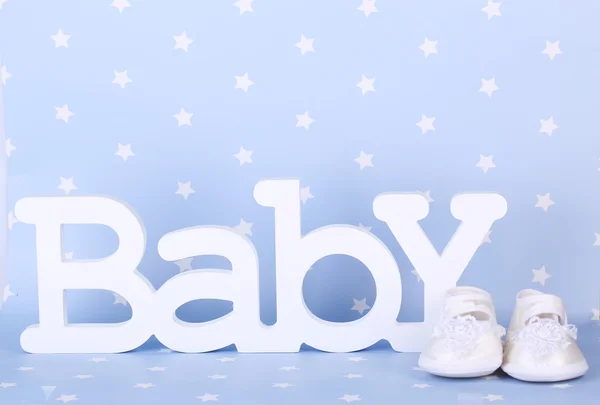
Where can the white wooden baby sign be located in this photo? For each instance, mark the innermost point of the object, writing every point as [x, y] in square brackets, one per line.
[154, 310]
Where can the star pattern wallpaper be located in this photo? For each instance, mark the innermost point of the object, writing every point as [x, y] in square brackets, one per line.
[179, 108]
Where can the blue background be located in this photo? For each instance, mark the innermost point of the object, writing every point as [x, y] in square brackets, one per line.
[347, 44]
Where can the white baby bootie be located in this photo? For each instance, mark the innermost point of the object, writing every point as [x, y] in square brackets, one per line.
[540, 344]
[467, 340]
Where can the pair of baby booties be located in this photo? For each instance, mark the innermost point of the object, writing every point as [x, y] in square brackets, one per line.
[540, 345]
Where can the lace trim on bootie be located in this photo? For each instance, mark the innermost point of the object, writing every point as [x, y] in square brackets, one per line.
[462, 334]
[544, 336]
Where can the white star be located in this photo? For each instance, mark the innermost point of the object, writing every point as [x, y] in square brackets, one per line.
[4, 75]
[489, 86]
[367, 7]
[183, 118]
[426, 124]
[243, 156]
[552, 49]
[596, 243]
[417, 275]
[282, 385]
[208, 397]
[63, 113]
[485, 163]
[366, 85]
[492, 397]
[7, 385]
[184, 264]
[98, 359]
[83, 376]
[356, 359]
[540, 276]
[121, 78]
[60, 39]
[10, 148]
[421, 386]
[492, 9]
[305, 194]
[119, 300]
[364, 228]
[427, 195]
[144, 385]
[244, 228]
[12, 220]
[304, 120]
[25, 369]
[7, 293]
[305, 44]
[217, 377]
[351, 376]
[124, 151]
[182, 41]
[544, 201]
[185, 189]
[242, 82]
[561, 386]
[486, 238]
[595, 314]
[67, 185]
[347, 397]
[121, 4]
[226, 359]
[360, 305]
[548, 126]
[67, 398]
[429, 47]
[288, 368]
[364, 160]
[244, 5]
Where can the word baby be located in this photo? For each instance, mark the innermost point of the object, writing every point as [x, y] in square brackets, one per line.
[154, 310]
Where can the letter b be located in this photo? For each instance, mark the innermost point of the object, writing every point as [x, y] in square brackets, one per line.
[115, 273]
[295, 254]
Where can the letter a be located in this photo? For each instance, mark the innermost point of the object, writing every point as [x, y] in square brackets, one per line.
[242, 326]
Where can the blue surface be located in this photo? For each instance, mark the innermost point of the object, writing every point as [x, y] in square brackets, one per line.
[385, 378]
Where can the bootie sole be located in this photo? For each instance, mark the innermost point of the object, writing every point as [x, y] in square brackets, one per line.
[461, 369]
[545, 374]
